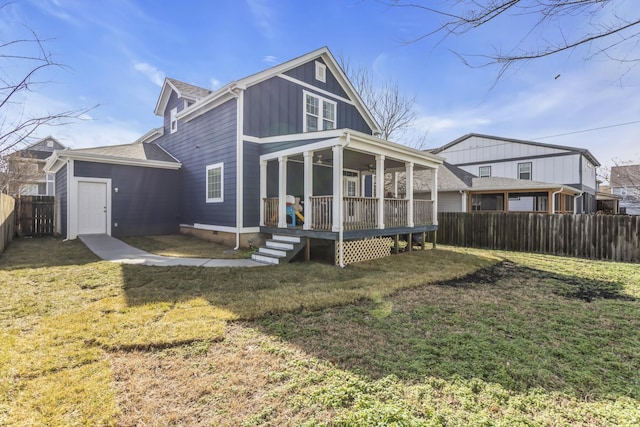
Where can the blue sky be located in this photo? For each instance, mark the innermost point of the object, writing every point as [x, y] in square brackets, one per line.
[118, 52]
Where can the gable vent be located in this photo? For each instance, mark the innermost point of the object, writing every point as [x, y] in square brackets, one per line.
[321, 72]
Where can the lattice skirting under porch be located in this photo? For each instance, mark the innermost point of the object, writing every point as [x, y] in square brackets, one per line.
[363, 250]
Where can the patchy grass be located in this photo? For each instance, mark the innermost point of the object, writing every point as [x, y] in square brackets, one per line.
[444, 337]
[184, 246]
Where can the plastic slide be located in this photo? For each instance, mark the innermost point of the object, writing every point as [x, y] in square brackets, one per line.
[299, 215]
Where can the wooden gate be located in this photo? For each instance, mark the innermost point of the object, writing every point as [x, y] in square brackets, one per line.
[35, 215]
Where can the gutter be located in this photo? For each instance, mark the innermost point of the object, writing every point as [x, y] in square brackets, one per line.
[575, 202]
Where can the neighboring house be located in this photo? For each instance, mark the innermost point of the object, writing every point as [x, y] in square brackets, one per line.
[625, 182]
[461, 191]
[563, 168]
[25, 174]
[226, 164]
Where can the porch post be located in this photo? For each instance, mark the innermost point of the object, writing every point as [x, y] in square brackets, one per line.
[263, 189]
[308, 188]
[282, 192]
[409, 191]
[380, 189]
[434, 196]
[337, 188]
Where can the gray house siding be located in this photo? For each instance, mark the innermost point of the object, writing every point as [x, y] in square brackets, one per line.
[307, 73]
[206, 140]
[251, 185]
[276, 107]
[61, 198]
[145, 201]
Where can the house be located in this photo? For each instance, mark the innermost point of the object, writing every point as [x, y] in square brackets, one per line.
[24, 174]
[551, 169]
[625, 183]
[462, 191]
[228, 165]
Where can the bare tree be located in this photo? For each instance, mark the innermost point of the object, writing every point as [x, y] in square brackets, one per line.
[394, 111]
[19, 170]
[17, 125]
[608, 31]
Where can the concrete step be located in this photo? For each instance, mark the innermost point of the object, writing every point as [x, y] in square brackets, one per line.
[265, 259]
[274, 252]
[290, 239]
[275, 244]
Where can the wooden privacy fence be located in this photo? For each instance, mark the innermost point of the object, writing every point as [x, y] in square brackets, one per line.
[35, 215]
[7, 221]
[606, 237]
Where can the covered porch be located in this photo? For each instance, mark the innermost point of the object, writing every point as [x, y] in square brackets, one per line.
[339, 184]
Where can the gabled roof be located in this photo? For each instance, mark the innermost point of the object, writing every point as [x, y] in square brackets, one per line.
[135, 154]
[184, 90]
[582, 151]
[208, 102]
[40, 150]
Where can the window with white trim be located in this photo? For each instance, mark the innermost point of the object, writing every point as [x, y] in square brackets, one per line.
[524, 171]
[215, 174]
[173, 126]
[319, 113]
[321, 72]
[484, 171]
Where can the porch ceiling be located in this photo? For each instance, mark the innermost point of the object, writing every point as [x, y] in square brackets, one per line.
[355, 160]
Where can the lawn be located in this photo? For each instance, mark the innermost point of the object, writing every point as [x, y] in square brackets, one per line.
[437, 337]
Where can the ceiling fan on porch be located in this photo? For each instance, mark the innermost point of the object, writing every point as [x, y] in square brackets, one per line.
[323, 161]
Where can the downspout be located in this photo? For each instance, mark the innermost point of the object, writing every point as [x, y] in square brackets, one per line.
[553, 199]
[239, 160]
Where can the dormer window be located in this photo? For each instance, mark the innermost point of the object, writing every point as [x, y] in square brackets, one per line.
[173, 120]
[321, 72]
[319, 113]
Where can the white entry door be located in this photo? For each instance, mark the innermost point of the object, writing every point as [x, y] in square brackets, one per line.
[92, 207]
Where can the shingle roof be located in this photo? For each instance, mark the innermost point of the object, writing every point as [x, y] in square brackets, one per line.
[188, 90]
[137, 150]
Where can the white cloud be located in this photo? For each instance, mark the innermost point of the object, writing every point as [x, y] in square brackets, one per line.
[270, 59]
[152, 73]
[214, 83]
[263, 16]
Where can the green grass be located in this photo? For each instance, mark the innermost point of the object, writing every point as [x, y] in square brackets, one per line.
[437, 337]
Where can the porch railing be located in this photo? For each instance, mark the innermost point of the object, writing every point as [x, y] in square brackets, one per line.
[271, 211]
[395, 212]
[360, 213]
[423, 212]
[321, 213]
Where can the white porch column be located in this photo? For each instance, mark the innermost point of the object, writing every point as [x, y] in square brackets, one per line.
[434, 196]
[263, 189]
[380, 189]
[409, 191]
[282, 192]
[463, 200]
[337, 188]
[308, 189]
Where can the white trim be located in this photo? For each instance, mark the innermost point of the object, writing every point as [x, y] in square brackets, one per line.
[213, 227]
[150, 136]
[327, 143]
[53, 165]
[321, 72]
[173, 120]
[206, 183]
[70, 172]
[72, 205]
[239, 165]
[315, 88]
[320, 115]
[209, 102]
[295, 137]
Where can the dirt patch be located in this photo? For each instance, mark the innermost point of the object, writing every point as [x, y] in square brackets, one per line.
[565, 286]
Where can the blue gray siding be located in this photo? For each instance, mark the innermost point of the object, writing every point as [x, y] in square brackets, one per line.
[205, 140]
[307, 74]
[251, 185]
[276, 107]
[145, 201]
[61, 197]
